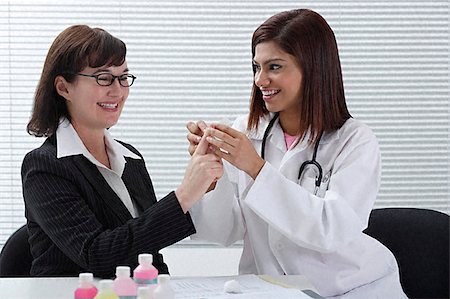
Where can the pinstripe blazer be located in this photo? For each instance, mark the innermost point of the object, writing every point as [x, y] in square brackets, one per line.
[77, 223]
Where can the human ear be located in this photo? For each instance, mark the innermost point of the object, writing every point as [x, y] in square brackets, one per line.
[61, 87]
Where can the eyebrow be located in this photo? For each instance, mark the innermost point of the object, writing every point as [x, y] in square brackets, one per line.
[108, 71]
[270, 60]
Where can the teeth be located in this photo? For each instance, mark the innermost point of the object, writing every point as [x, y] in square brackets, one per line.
[108, 105]
[269, 92]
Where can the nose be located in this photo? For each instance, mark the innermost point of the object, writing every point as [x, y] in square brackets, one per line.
[262, 79]
[115, 87]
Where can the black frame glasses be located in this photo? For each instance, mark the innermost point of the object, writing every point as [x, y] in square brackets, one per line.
[107, 79]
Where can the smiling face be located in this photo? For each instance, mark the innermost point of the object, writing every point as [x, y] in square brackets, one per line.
[93, 107]
[279, 78]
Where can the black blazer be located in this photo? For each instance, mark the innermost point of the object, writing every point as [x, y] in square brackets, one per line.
[77, 223]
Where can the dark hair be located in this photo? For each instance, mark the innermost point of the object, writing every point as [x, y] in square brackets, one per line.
[306, 35]
[73, 49]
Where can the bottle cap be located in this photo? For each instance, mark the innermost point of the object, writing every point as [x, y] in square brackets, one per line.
[86, 279]
[163, 278]
[106, 284]
[145, 259]
[123, 271]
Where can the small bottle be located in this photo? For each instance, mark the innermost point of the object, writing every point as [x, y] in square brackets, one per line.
[106, 290]
[144, 293]
[124, 286]
[86, 289]
[146, 274]
[163, 290]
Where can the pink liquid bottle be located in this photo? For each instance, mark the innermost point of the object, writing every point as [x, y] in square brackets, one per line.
[86, 289]
[146, 274]
[123, 285]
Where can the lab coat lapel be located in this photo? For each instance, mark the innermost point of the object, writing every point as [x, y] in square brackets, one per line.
[292, 153]
[275, 139]
[99, 183]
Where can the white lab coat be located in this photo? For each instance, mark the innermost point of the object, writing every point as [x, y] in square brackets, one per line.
[286, 228]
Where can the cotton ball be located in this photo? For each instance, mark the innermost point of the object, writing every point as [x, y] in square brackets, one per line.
[232, 286]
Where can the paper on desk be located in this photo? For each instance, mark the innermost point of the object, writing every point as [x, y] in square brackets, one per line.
[212, 288]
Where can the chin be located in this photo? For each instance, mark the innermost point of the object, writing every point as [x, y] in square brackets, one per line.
[110, 123]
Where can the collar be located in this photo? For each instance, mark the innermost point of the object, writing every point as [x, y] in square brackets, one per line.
[70, 144]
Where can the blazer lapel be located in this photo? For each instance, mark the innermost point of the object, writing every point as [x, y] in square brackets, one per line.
[138, 184]
[99, 183]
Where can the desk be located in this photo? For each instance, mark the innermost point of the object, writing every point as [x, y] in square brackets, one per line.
[63, 287]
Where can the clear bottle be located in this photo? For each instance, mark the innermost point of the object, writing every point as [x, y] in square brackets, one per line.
[123, 285]
[86, 289]
[106, 290]
[146, 274]
[144, 293]
[163, 290]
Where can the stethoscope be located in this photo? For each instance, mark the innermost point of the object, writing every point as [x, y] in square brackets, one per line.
[313, 161]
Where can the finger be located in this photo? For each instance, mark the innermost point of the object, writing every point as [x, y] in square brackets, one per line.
[193, 139]
[202, 146]
[227, 129]
[191, 149]
[217, 134]
[222, 145]
[194, 128]
[202, 125]
[221, 154]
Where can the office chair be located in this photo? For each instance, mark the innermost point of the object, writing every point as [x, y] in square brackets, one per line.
[15, 258]
[419, 240]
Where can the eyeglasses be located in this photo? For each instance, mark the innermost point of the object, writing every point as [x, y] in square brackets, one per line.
[107, 79]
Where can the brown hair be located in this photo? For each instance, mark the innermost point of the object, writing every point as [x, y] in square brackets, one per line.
[73, 49]
[306, 35]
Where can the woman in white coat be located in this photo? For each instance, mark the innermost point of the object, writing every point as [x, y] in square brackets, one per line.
[309, 224]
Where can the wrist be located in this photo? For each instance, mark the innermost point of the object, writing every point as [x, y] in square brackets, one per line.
[181, 196]
[257, 168]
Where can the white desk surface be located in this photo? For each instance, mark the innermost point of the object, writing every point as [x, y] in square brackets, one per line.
[64, 287]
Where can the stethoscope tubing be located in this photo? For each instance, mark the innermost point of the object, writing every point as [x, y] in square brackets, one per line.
[313, 161]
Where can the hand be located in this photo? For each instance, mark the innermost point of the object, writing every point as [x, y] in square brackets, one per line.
[202, 171]
[235, 147]
[195, 134]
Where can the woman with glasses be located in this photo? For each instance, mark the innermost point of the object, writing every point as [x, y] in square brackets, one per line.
[89, 200]
[301, 175]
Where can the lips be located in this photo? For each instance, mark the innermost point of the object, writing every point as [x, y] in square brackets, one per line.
[269, 93]
[108, 105]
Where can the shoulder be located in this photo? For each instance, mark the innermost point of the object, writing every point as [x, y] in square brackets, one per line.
[46, 151]
[354, 134]
[44, 160]
[356, 129]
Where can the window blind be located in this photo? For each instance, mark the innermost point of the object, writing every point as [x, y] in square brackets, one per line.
[193, 61]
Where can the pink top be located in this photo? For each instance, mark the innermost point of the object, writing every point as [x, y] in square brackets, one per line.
[288, 139]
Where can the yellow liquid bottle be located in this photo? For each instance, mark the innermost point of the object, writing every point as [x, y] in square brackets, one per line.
[106, 290]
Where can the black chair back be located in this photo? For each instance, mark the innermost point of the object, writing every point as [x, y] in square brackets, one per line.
[15, 258]
[419, 240]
